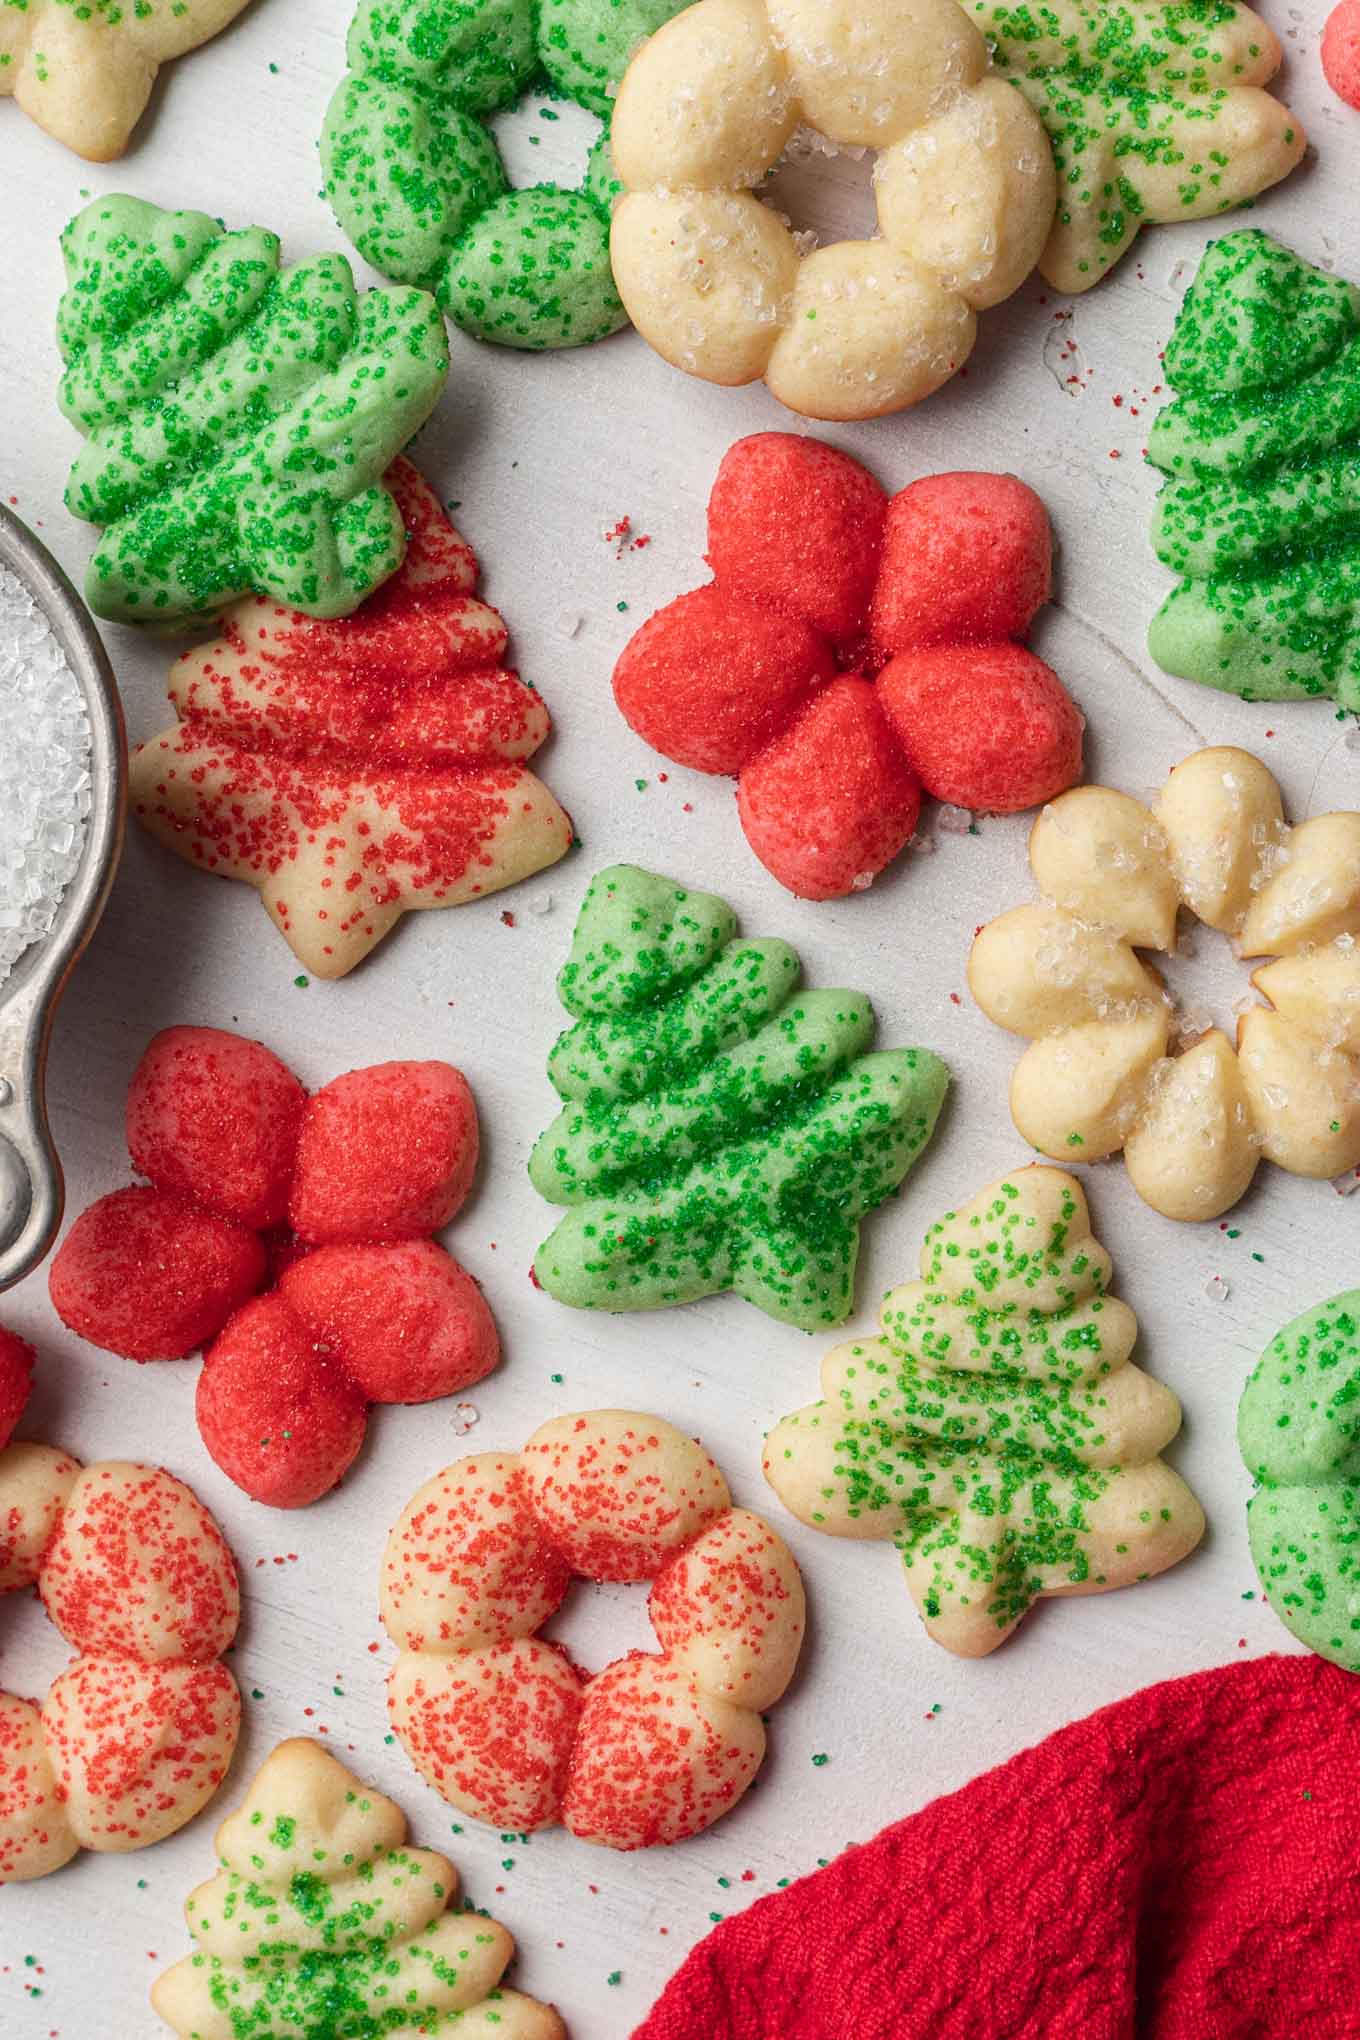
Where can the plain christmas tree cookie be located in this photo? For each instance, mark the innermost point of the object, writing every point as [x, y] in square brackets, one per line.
[721, 1128]
[996, 1431]
[85, 72]
[323, 1920]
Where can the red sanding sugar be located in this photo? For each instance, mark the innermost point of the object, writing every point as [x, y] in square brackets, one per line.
[814, 572]
[215, 1117]
[152, 1276]
[833, 799]
[386, 1153]
[361, 1307]
[713, 678]
[411, 1324]
[1024, 742]
[797, 526]
[281, 1419]
[16, 1379]
[1341, 51]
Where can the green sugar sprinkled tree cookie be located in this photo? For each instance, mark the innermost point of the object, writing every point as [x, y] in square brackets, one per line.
[1155, 112]
[1299, 1429]
[722, 1129]
[238, 417]
[996, 1431]
[1260, 512]
[417, 182]
[322, 1921]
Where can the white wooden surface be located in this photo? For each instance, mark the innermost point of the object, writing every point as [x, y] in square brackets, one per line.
[543, 454]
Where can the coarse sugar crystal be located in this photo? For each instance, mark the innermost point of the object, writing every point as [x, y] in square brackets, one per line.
[45, 785]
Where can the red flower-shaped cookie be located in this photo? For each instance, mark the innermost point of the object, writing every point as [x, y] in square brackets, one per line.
[337, 1194]
[852, 650]
[353, 771]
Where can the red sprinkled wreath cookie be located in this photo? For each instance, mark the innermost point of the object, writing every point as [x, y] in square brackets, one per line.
[137, 1734]
[657, 1746]
[335, 1196]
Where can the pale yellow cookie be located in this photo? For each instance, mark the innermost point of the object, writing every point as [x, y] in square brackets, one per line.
[315, 1864]
[138, 1732]
[495, 1717]
[85, 73]
[996, 1431]
[716, 281]
[1099, 1075]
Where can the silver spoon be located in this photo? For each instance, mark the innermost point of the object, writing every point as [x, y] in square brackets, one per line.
[31, 1186]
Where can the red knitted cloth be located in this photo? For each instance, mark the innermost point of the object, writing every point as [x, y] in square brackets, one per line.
[1184, 1865]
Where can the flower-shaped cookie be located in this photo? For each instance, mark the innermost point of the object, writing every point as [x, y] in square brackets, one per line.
[996, 1430]
[1155, 113]
[353, 771]
[334, 1197]
[658, 1745]
[1298, 1426]
[84, 72]
[1064, 972]
[137, 1733]
[820, 581]
[322, 1920]
[713, 278]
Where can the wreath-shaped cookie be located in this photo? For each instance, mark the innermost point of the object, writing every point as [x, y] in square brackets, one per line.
[657, 1746]
[713, 278]
[1064, 972]
[416, 180]
[137, 1734]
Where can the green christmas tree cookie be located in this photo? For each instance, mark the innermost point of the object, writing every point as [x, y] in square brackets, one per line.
[1260, 513]
[321, 1922]
[722, 1129]
[1299, 1429]
[417, 182]
[237, 417]
[1155, 112]
[996, 1431]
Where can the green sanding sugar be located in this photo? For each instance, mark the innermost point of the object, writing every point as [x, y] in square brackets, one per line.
[237, 417]
[980, 1432]
[722, 1129]
[1139, 106]
[1260, 512]
[416, 180]
[1299, 1429]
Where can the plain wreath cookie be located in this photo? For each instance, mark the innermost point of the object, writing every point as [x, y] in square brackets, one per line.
[1064, 972]
[85, 73]
[137, 1734]
[321, 1919]
[996, 1430]
[963, 182]
[497, 1719]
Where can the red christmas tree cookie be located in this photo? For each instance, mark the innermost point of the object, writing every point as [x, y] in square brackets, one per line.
[340, 1192]
[853, 651]
[353, 771]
